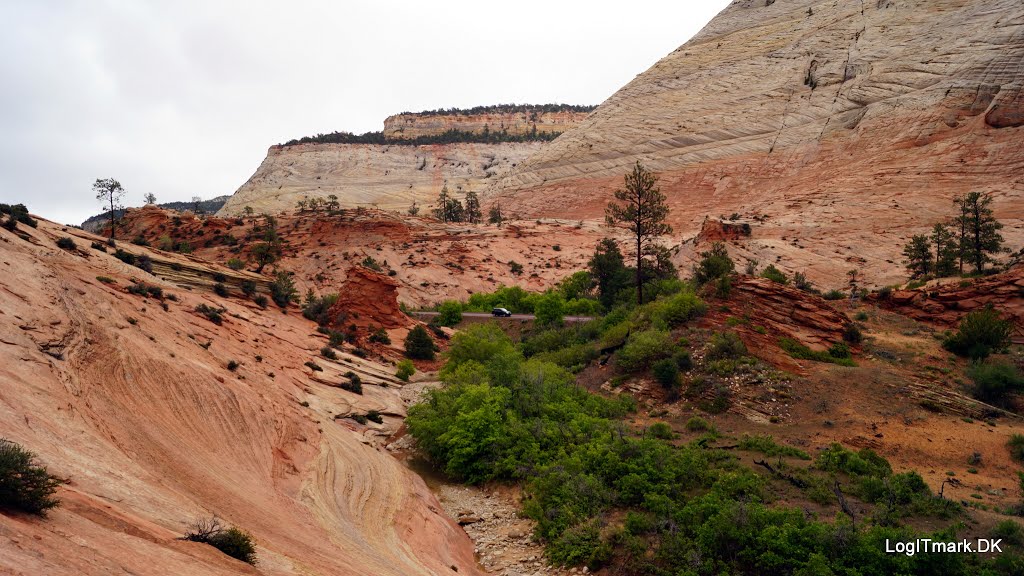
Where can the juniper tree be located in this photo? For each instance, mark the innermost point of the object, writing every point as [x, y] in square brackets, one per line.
[494, 215]
[642, 213]
[150, 198]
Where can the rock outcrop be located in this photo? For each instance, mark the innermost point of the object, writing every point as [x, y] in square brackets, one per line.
[849, 126]
[369, 300]
[945, 303]
[523, 121]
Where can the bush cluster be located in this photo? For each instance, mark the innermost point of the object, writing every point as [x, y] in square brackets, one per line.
[25, 486]
[229, 540]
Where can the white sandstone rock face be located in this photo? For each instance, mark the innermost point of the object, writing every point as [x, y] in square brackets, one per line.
[386, 176]
[845, 127]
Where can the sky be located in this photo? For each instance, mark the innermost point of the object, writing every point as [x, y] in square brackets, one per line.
[183, 98]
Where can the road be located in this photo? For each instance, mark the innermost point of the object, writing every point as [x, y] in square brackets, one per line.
[519, 317]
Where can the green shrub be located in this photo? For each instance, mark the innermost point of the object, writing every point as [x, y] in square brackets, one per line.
[767, 446]
[852, 333]
[798, 350]
[1009, 531]
[248, 288]
[374, 416]
[25, 486]
[725, 345]
[261, 301]
[994, 382]
[231, 541]
[515, 267]
[861, 316]
[65, 243]
[212, 314]
[235, 264]
[683, 360]
[106, 280]
[774, 274]
[449, 313]
[405, 370]
[354, 384]
[380, 336]
[220, 290]
[144, 290]
[676, 309]
[233, 365]
[698, 424]
[833, 295]
[661, 431]
[840, 350]
[981, 333]
[318, 309]
[713, 264]
[666, 373]
[1016, 446]
[282, 289]
[313, 366]
[643, 349]
[419, 345]
[329, 353]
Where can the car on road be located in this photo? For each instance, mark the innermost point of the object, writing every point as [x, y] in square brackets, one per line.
[501, 312]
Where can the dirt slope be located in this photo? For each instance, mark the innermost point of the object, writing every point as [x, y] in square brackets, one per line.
[136, 406]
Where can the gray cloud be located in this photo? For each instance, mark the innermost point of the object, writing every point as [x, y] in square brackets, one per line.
[183, 98]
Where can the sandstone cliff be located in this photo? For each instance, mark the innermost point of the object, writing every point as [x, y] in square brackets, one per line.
[415, 125]
[844, 127]
[391, 177]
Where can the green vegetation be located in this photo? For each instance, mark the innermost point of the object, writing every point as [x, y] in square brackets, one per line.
[419, 345]
[971, 238]
[451, 136]
[981, 333]
[25, 486]
[449, 313]
[212, 314]
[604, 495]
[1016, 446]
[767, 446]
[993, 383]
[713, 265]
[839, 353]
[110, 193]
[17, 213]
[65, 243]
[282, 289]
[317, 308]
[146, 290]
[232, 541]
[774, 274]
[642, 213]
[405, 370]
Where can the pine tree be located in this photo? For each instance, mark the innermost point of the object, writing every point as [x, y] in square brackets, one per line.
[609, 272]
[919, 256]
[979, 230]
[494, 215]
[945, 251]
[443, 199]
[642, 214]
[473, 213]
[109, 192]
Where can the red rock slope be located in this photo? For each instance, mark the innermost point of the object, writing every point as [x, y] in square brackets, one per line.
[135, 405]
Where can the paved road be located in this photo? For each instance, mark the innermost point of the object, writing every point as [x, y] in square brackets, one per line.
[519, 317]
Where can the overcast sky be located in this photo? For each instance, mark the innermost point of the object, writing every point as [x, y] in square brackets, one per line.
[182, 98]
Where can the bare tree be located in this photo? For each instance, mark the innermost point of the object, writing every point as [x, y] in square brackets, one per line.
[150, 198]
